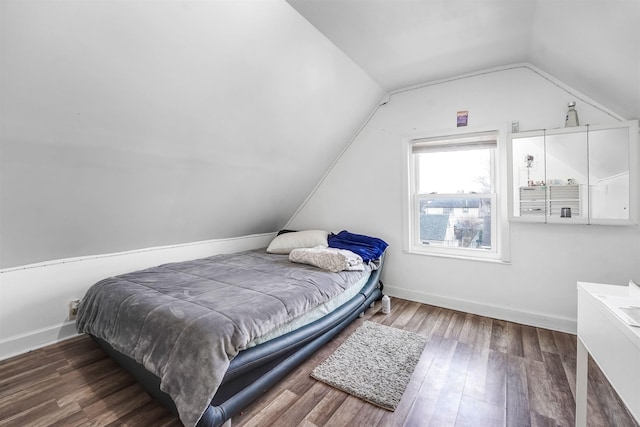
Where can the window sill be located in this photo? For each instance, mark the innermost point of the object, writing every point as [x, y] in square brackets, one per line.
[459, 257]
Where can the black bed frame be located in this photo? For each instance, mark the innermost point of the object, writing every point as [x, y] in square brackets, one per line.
[253, 371]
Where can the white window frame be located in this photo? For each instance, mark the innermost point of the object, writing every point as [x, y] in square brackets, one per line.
[500, 251]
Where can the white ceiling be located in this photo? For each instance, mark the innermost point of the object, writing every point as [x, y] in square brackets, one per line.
[591, 45]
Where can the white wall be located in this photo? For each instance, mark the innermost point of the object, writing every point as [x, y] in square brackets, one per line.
[34, 299]
[131, 124]
[363, 193]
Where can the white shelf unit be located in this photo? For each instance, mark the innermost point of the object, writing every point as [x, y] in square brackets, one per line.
[564, 196]
[533, 201]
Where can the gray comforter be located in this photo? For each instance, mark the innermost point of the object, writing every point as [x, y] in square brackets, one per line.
[186, 321]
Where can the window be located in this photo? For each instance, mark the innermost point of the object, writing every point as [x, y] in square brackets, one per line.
[453, 201]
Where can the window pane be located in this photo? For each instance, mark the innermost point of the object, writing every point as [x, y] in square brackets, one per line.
[466, 171]
[456, 222]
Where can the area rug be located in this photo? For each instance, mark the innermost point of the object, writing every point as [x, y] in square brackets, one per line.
[375, 364]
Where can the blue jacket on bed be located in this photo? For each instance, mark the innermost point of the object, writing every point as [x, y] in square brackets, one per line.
[369, 248]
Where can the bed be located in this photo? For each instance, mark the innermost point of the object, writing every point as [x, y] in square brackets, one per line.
[208, 336]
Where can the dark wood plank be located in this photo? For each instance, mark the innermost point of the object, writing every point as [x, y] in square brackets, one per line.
[517, 401]
[425, 403]
[405, 315]
[367, 416]
[397, 308]
[346, 413]
[473, 412]
[455, 325]
[389, 419]
[538, 387]
[418, 318]
[531, 343]
[327, 406]
[566, 345]
[117, 405]
[496, 382]
[271, 413]
[539, 420]
[17, 382]
[500, 337]
[448, 404]
[429, 324]
[297, 411]
[443, 322]
[30, 415]
[515, 346]
[546, 340]
[610, 403]
[561, 394]
[487, 377]
[594, 411]
[147, 415]
[476, 331]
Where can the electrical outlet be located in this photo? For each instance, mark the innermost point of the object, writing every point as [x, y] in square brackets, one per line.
[73, 308]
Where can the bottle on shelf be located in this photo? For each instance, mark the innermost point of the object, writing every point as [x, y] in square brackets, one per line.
[571, 119]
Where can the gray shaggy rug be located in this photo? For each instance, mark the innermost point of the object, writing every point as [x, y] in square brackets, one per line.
[374, 364]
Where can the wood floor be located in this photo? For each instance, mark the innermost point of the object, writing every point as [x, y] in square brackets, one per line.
[474, 371]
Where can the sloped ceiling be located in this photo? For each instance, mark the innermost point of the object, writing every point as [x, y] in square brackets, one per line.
[134, 124]
[591, 45]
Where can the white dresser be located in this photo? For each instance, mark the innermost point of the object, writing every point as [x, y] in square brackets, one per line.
[612, 343]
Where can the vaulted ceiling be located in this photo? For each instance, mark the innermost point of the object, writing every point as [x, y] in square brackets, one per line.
[591, 45]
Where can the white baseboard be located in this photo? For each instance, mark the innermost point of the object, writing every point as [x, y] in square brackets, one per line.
[539, 320]
[36, 339]
[35, 297]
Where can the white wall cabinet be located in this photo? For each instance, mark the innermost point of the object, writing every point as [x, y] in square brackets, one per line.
[580, 175]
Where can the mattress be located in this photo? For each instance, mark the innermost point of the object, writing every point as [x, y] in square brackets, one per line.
[313, 315]
[184, 322]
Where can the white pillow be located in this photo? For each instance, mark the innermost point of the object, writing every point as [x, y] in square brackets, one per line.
[286, 242]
